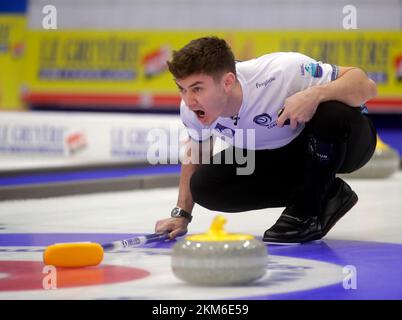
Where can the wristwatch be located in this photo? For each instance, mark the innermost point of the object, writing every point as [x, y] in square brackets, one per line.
[179, 212]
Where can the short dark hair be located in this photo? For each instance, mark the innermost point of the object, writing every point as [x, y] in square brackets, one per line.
[208, 55]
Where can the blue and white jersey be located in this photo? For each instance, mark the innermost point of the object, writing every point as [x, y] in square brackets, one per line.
[266, 82]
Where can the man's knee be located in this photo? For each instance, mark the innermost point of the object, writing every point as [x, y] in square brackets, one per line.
[332, 121]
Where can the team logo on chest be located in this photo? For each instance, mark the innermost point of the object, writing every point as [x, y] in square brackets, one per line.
[229, 132]
[265, 120]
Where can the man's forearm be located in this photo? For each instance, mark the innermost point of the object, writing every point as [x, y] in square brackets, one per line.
[204, 152]
[185, 199]
[353, 88]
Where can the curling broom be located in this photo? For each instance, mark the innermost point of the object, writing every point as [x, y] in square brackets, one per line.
[85, 254]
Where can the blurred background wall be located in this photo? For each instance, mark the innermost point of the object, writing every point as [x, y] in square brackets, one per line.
[119, 48]
[222, 14]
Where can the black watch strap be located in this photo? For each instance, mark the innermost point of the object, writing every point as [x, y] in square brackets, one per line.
[179, 212]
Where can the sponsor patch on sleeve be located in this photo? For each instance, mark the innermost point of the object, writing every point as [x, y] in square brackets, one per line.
[314, 69]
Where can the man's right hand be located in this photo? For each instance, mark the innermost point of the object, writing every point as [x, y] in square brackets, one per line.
[175, 226]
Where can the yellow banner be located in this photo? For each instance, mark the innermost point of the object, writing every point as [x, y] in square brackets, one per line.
[12, 34]
[134, 62]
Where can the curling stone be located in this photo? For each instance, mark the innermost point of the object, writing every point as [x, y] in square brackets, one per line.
[384, 162]
[218, 258]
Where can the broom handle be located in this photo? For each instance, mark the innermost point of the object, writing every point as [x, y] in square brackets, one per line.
[135, 241]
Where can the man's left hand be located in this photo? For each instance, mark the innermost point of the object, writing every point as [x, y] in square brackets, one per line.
[300, 107]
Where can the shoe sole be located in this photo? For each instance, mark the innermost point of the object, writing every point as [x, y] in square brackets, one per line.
[291, 243]
[311, 237]
[340, 213]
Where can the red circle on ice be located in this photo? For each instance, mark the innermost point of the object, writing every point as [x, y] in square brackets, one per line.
[32, 275]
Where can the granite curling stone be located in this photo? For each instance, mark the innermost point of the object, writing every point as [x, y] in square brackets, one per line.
[218, 258]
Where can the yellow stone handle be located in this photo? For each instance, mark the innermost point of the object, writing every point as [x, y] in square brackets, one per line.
[381, 145]
[217, 225]
[216, 232]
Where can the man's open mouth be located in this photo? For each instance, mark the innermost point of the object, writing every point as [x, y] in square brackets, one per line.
[200, 114]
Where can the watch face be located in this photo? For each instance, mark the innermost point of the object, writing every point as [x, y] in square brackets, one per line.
[175, 212]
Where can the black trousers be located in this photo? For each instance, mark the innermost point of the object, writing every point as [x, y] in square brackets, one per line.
[338, 139]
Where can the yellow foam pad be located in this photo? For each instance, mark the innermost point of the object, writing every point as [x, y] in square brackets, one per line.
[73, 254]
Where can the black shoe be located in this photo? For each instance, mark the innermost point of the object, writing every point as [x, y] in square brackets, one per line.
[291, 229]
[342, 200]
